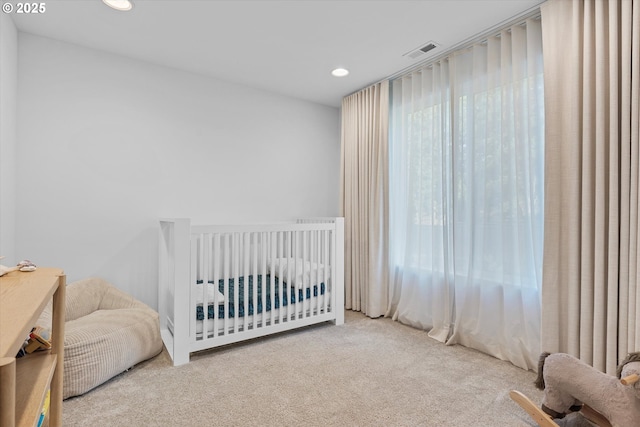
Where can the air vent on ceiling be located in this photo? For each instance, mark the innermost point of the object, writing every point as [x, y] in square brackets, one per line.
[416, 53]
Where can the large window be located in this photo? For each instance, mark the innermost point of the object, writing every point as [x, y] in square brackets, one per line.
[466, 195]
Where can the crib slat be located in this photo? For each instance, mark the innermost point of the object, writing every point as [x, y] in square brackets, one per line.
[300, 273]
[215, 255]
[275, 255]
[315, 265]
[272, 277]
[305, 272]
[287, 255]
[318, 261]
[302, 248]
[195, 242]
[326, 270]
[205, 246]
[263, 272]
[284, 292]
[247, 279]
[236, 285]
[226, 254]
[254, 273]
[292, 272]
[313, 272]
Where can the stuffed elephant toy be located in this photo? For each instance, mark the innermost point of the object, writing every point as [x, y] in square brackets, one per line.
[568, 383]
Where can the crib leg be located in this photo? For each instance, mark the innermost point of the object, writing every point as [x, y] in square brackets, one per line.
[180, 356]
[339, 317]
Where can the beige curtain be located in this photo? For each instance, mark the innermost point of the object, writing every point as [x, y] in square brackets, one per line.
[364, 198]
[590, 293]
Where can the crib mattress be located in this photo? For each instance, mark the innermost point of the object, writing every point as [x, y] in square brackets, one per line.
[289, 296]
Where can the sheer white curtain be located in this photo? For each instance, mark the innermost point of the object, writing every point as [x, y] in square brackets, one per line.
[466, 191]
[421, 201]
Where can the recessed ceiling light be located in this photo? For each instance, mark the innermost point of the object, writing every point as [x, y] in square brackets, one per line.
[123, 5]
[340, 72]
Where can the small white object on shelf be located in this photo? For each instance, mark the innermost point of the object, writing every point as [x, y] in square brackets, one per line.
[24, 265]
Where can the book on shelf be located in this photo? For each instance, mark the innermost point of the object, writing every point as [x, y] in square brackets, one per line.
[45, 408]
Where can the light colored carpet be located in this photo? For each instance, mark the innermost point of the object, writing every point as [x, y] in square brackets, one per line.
[367, 372]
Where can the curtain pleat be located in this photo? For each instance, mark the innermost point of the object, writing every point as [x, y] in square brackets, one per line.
[631, 54]
[364, 198]
[589, 293]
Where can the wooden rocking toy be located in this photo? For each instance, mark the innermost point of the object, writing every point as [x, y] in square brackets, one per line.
[544, 420]
[571, 385]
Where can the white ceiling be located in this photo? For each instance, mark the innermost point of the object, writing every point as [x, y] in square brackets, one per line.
[283, 46]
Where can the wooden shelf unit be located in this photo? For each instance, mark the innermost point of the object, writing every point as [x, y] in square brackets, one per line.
[24, 381]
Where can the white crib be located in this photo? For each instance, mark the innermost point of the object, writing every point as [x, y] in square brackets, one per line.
[221, 284]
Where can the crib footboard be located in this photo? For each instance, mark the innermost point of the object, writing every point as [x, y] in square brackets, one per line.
[223, 284]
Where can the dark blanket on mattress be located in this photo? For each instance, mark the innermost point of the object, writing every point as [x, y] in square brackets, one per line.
[288, 297]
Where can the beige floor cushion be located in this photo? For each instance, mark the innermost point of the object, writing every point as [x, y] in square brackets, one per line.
[106, 332]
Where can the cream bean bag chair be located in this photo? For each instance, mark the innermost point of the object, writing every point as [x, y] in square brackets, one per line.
[106, 332]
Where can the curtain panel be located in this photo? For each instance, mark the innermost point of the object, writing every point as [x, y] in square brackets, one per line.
[364, 198]
[590, 294]
[466, 193]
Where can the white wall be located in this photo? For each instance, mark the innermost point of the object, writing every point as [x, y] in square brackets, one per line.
[107, 145]
[8, 137]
